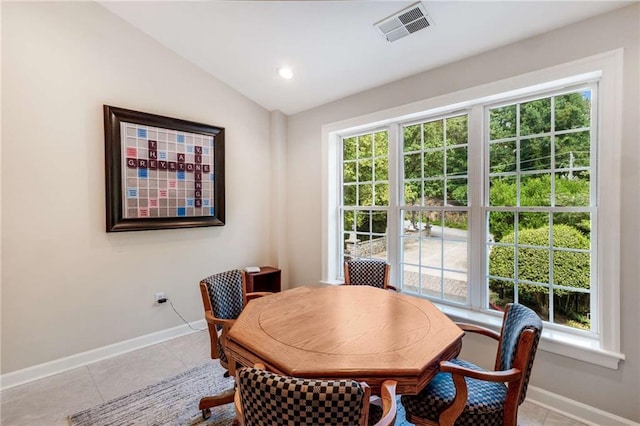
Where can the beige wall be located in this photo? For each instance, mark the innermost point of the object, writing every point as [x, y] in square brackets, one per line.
[67, 285]
[615, 391]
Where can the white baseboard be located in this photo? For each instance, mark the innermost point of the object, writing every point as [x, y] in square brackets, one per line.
[50, 368]
[575, 410]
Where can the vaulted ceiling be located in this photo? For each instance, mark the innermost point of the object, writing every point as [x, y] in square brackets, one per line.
[333, 47]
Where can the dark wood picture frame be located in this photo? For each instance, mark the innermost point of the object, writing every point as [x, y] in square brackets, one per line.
[116, 165]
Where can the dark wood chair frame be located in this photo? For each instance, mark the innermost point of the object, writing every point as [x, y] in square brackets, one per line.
[208, 402]
[514, 377]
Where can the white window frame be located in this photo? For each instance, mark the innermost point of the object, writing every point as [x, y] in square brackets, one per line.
[372, 208]
[606, 70]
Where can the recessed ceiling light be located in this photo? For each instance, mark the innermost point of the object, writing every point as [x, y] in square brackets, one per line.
[285, 72]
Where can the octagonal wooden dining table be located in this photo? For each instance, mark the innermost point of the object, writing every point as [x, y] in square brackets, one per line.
[357, 332]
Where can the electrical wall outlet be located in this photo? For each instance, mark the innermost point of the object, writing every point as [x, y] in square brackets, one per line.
[160, 295]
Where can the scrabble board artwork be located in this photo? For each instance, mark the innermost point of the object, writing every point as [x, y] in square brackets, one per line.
[168, 175]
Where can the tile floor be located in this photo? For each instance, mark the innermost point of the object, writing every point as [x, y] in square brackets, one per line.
[49, 401]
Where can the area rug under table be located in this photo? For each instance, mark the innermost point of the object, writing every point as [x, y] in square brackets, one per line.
[172, 402]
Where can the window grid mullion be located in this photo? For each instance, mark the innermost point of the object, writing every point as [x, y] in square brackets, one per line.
[553, 204]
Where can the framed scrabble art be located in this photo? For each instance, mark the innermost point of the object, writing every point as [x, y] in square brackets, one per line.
[162, 172]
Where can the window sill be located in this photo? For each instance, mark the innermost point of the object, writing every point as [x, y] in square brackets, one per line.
[582, 348]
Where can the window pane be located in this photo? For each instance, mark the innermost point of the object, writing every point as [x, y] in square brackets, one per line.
[412, 193]
[455, 257]
[535, 297]
[413, 166]
[573, 150]
[501, 225]
[381, 169]
[533, 220]
[567, 236]
[457, 162]
[502, 122]
[572, 309]
[434, 192]
[363, 221]
[457, 130]
[502, 191]
[578, 221]
[501, 261]
[349, 195]
[535, 154]
[500, 294]
[533, 264]
[412, 140]
[434, 163]
[349, 148]
[381, 147]
[455, 225]
[455, 287]
[573, 110]
[431, 280]
[457, 192]
[535, 117]
[349, 172]
[365, 170]
[410, 279]
[382, 194]
[364, 246]
[379, 223]
[433, 134]
[349, 221]
[572, 269]
[502, 157]
[365, 146]
[573, 191]
[538, 237]
[365, 195]
[535, 190]
[430, 253]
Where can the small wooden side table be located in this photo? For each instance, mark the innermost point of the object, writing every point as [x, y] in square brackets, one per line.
[268, 279]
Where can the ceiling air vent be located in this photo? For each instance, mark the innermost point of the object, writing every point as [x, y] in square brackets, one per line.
[407, 21]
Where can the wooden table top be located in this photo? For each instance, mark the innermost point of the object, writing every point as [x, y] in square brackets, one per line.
[358, 332]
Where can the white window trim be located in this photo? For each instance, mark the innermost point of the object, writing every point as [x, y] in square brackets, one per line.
[607, 69]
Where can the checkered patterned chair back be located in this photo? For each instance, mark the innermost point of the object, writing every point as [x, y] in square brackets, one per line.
[372, 272]
[225, 294]
[271, 399]
[518, 318]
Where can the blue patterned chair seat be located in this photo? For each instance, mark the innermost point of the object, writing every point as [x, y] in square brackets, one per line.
[485, 402]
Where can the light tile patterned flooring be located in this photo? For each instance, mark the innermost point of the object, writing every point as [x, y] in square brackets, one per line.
[49, 401]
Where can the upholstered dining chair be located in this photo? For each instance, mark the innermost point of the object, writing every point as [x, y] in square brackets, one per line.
[465, 394]
[265, 398]
[372, 272]
[223, 296]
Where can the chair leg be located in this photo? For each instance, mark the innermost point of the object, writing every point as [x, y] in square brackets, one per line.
[206, 413]
[208, 402]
